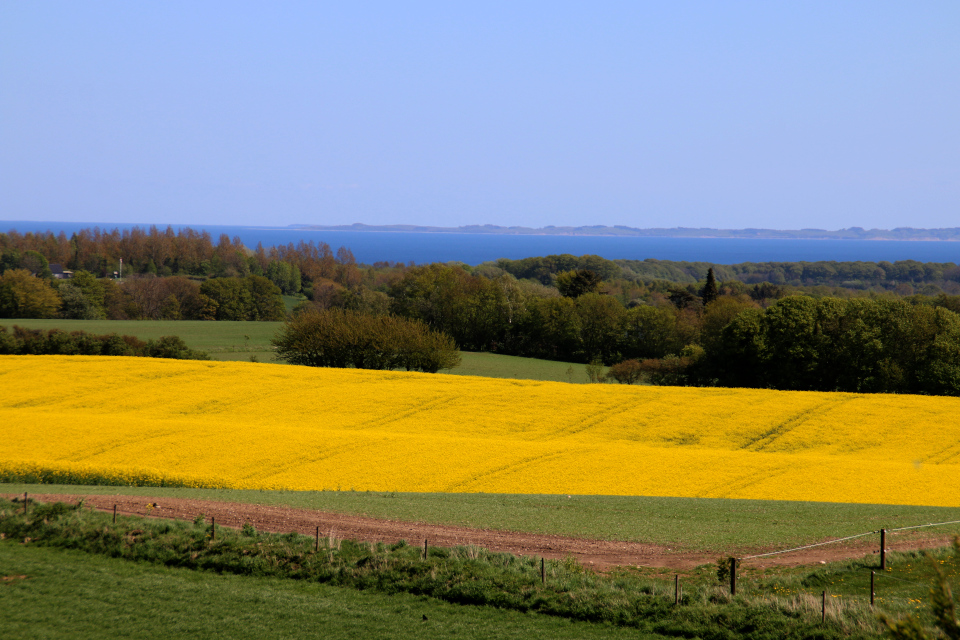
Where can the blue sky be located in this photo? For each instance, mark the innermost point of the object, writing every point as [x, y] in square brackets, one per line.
[647, 114]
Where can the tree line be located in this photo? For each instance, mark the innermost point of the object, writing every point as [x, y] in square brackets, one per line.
[878, 345]
[188, 252]
[693, 329]
[911, 276]
[150, 252]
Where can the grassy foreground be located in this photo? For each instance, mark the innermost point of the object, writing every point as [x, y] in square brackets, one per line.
[683, 524]
[768, 605]
[241, 341]
[53, 594]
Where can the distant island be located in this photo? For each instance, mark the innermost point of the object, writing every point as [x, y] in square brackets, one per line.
[853, 233]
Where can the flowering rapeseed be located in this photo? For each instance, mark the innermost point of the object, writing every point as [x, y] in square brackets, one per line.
[259, 426]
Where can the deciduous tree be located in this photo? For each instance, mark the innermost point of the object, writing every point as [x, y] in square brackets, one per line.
[23, 295]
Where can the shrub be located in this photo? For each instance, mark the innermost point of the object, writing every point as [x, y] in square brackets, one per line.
[627, 372]
[344, 338]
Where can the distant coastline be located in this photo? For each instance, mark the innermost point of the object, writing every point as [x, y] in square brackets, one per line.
[853, 233]
[478, 244]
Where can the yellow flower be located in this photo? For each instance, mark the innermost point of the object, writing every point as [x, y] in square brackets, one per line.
[256, 426]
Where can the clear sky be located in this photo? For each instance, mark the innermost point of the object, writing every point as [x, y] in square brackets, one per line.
[725, 114]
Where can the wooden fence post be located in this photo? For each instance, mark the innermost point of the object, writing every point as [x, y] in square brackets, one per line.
[24, 503]
[316, 546]
[114, 514]
[733, 576]
[676, 589]
[873, 574]
[823, 607]
[883, 549]
[425, 549]
[213, 527]
[543, 571]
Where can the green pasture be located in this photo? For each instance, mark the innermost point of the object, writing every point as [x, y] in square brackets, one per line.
[727, 527]
[230, 340]
[75, 595]
[493, 365]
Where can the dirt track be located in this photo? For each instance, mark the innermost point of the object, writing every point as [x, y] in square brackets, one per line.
[597, 554]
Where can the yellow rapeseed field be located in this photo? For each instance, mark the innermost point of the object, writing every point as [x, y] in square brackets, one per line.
[262, 426]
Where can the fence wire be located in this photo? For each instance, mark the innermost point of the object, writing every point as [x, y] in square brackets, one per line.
[921, 526]
[859, 535]
[810, 546]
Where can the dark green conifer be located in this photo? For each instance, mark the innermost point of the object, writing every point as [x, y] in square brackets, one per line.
[710, 291]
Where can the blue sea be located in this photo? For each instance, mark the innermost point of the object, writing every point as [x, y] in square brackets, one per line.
[423, 248]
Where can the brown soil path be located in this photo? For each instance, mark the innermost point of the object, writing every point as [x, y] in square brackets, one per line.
[596, 554]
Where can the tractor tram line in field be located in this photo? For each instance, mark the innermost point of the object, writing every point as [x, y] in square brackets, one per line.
[598, 555]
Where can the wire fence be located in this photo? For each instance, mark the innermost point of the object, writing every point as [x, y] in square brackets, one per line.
[873, 574]
[858, 535]
[810, 546]
[921, 526]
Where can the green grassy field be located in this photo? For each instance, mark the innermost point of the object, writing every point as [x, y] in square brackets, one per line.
[76, 595]
[493, 365]
[217, 338]
[684, 524]
[243, 340]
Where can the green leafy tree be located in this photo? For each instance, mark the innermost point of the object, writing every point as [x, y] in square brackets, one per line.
[718, 314]
[285, 275]
[36, 263]
[9, 259]
[91, 287]
[651, 332]
[265, 301]
[83, 297]
[551, 329]
[24, 296]
[231, 298]
[578, 282]
[75, 304]
[601, 327]
[436, 294]
[170, 308]
[249, 298]
[479, 313]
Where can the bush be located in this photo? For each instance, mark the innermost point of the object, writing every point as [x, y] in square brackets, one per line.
[627, 372]
[669, 371]
[343, 338]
